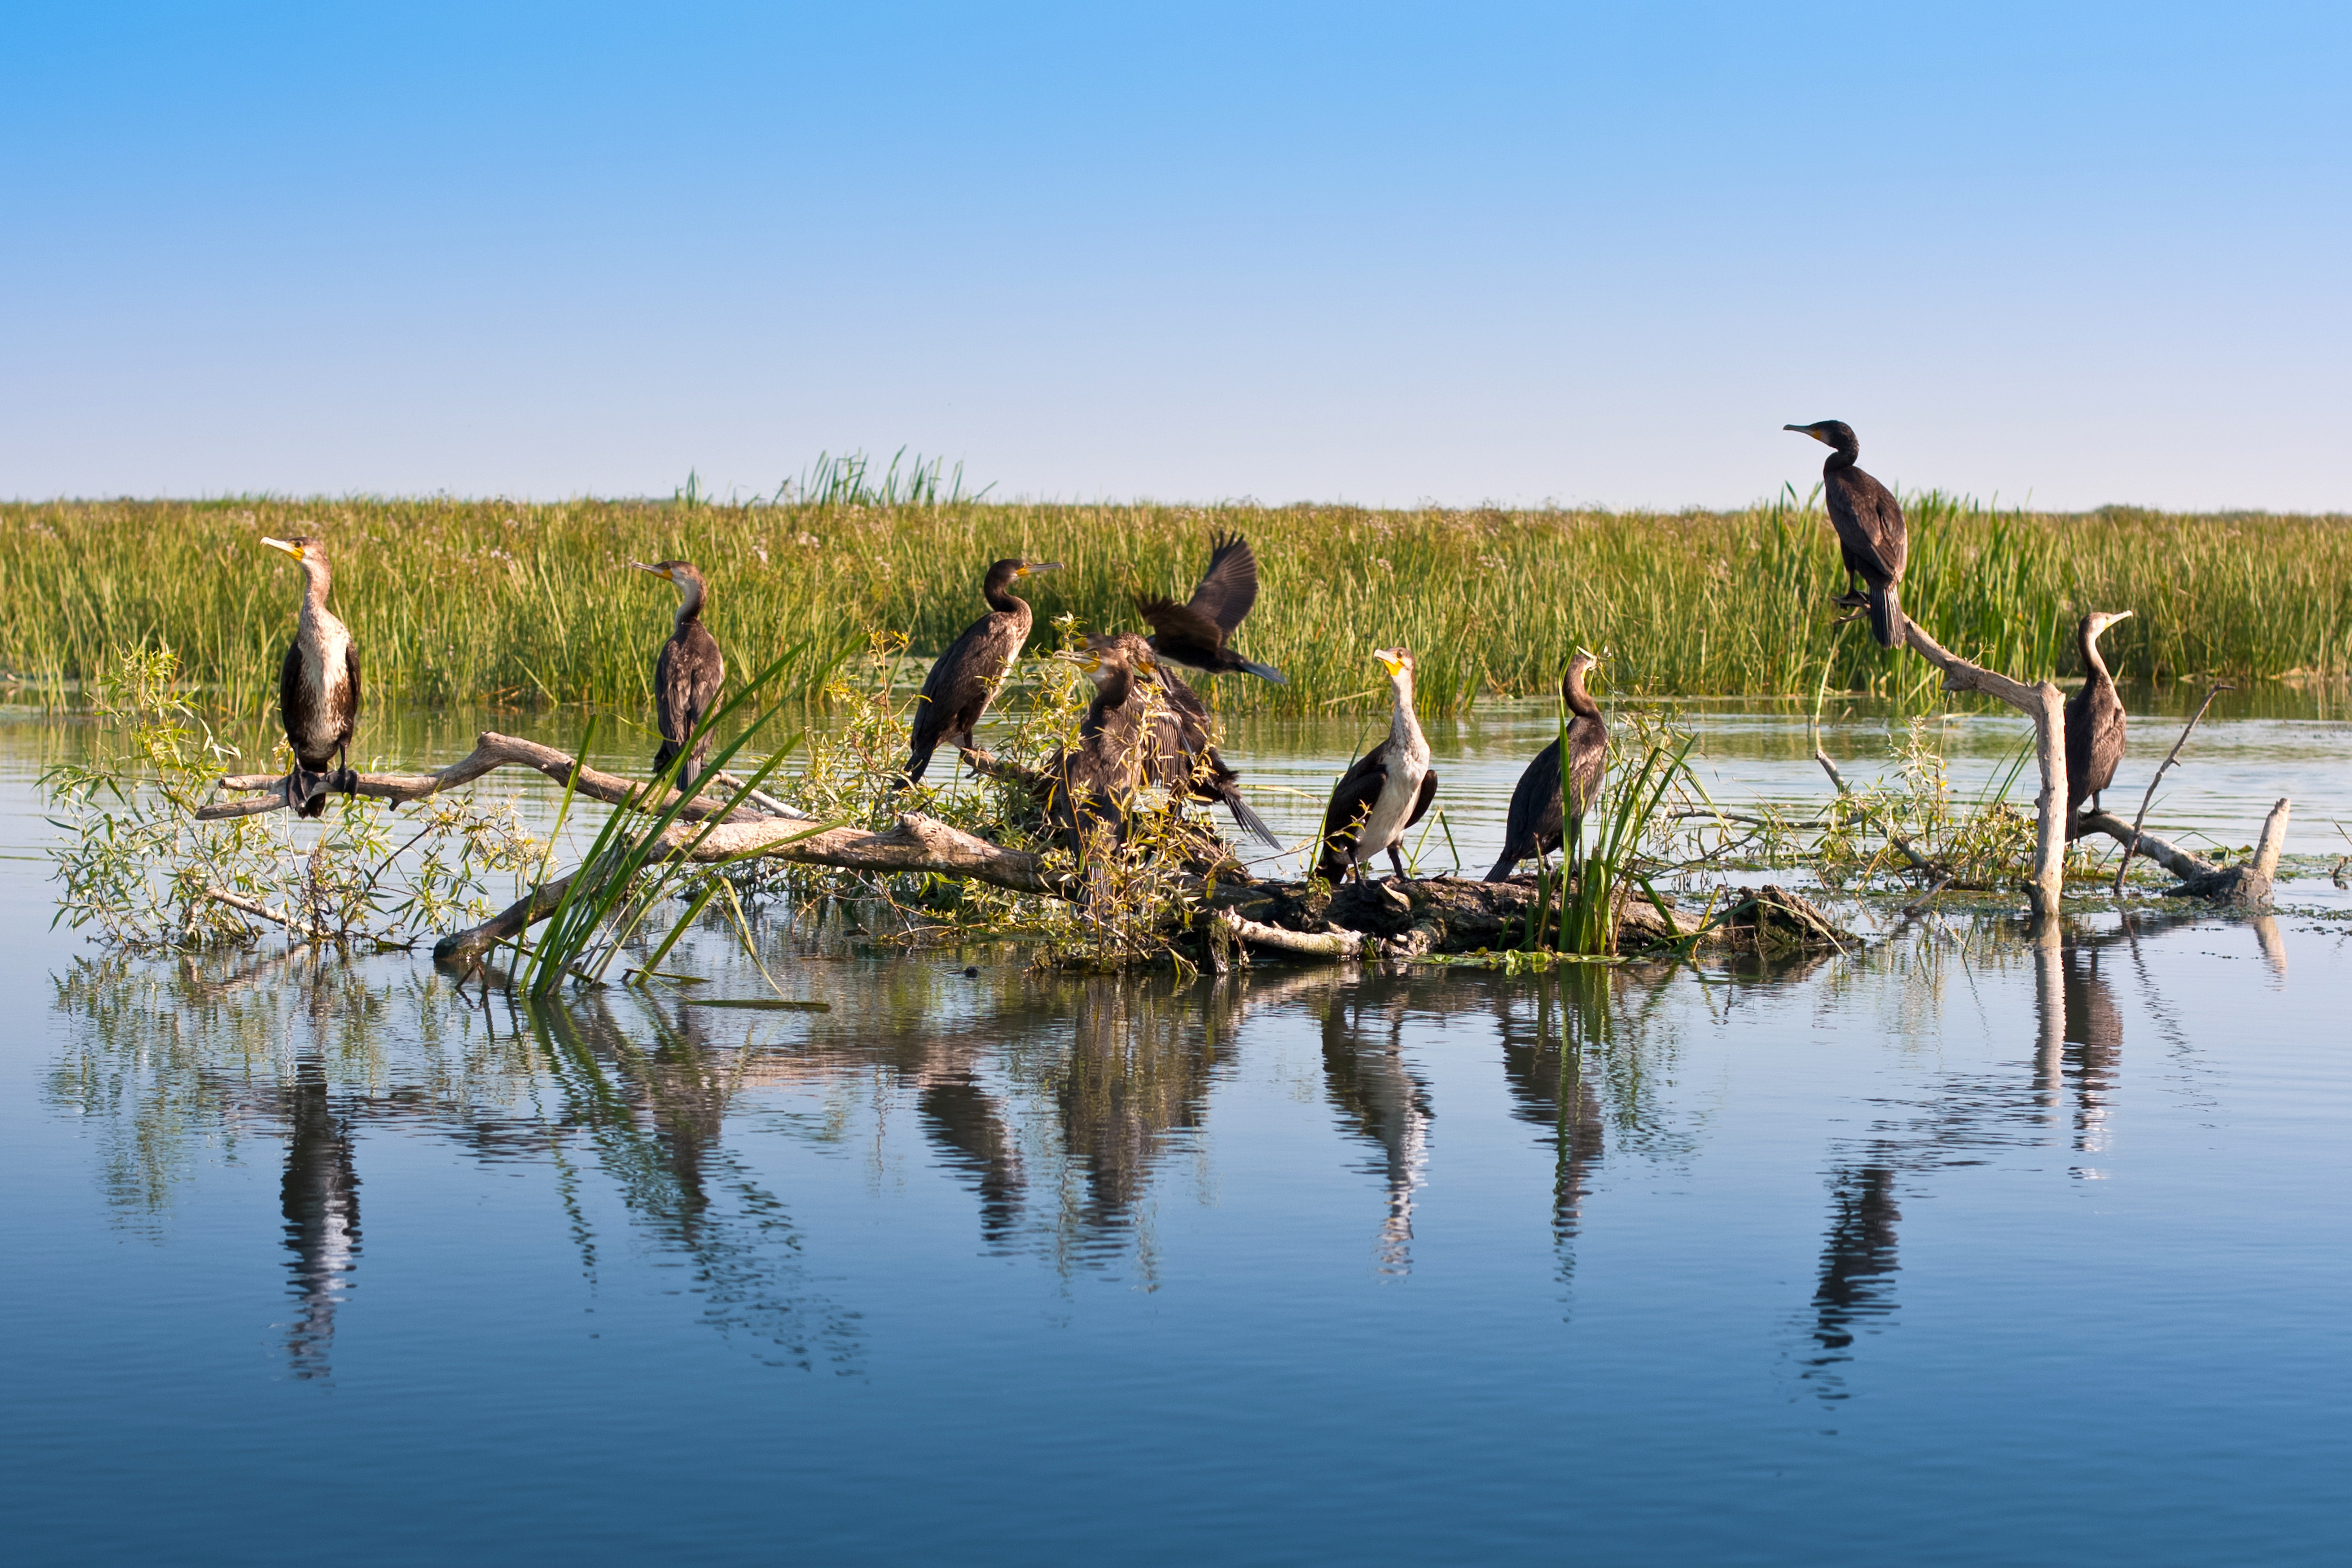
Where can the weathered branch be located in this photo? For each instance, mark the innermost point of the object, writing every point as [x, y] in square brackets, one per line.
[2169, 758]
[2046, 706]
[491, 752]
[1333, 944]
[2137, 840]
[2247, 884]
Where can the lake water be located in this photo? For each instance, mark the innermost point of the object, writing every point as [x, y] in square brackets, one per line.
[1953, 1250]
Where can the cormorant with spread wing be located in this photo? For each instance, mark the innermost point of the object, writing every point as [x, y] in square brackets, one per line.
[1093, 783]
[2095, 723]
[1869, 523]
[1386, 791]
[687, 676]
[317, 687]
[1194, 633]
[1536, 825]
[1178, 756]
[963, 682]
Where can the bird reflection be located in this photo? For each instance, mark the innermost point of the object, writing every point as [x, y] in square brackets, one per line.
[1858, 1261]
[2093, 1044]
[968, 1126]
[321, 1198]
[1382, 1101]
[1537, 1053]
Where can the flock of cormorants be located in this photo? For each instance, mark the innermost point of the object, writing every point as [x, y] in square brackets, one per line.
[1146, 726]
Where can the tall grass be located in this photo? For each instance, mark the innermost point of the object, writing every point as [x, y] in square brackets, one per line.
[487, 600]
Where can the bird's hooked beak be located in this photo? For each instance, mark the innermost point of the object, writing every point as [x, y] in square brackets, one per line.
[1086, 658]
[2105, 618]
[1392, 660]
[1812, 430]
[1592, 659]
[1031, 568]
[293, 550]
[660, 571]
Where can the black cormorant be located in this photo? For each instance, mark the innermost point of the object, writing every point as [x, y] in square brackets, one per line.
[1386, 792]
[1536, 826]
[2095, 723]
[318, 686]
[963, 682]
[1194, 633]
[688, 676]
[1179, 755]
[1869, 523]
[1094, 782]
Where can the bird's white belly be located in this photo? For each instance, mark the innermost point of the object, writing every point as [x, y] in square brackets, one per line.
[331, 677]
[1384, 824]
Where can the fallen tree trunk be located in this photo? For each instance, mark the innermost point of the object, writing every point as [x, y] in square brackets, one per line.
[2171, 857]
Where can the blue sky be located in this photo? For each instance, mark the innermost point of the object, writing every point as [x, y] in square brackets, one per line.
[1381, 254]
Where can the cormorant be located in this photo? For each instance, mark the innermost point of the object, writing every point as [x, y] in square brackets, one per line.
[1178, 756]
[1535, 825]
[963, 682]
[2095, 723]
[1194, 633]
[318, 686]
[1386, 791]
[688, 676]
[1094, 781]
[1869, 523]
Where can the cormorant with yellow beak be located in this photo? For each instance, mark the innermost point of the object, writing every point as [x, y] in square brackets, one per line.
[963, 682]
[317, 687]
[1386, 791]
[687, 676]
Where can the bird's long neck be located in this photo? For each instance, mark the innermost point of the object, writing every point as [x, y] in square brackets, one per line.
[316, 581]
[1404, 725]
[1003, 601]
[2094, 667]
[690, 604]
[1579, 702]
[1844, 455]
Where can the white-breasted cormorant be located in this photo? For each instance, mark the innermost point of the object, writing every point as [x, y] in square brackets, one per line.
[963, 682]
[2095, 723]
[1194, 633]
[1386, 791]
[687, 676]
[1869, 523]
[318, 686]
[1179, 755]
[1536, 826]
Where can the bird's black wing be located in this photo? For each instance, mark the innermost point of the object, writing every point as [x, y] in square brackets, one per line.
[1420, 801]
[1180, 630]
[710, 673]
[291, 705]
[1869, 523]
[1588, 755]
[1351, 802]
[352, 698]
[1888, 536]
[673, 696]
[1229, 587]
[962, 678]
[1534, 815]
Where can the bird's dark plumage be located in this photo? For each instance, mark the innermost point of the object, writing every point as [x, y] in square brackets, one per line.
[1537, 824]
[2095, 723]
[963, 682]
[318, 685]
[1870, 530]
[1386, 790]
[1194, 633]
[1179, 755]
[688, 676]
[1092, 785]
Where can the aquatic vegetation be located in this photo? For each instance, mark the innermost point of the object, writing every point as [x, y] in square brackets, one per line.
[507, 602]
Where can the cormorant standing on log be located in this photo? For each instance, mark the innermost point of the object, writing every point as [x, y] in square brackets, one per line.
[1094, 782]
[2095, 723]
[1869, 523]
[1179, 755]
[963, 682]
[1536, 825]
[1386, 791]
[317, 687]
[1194, 633]
[688, 676]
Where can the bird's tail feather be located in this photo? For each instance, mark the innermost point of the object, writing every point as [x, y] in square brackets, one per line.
[1887, 616]
[1265, 672]
[1506, 865]
[1250, 821]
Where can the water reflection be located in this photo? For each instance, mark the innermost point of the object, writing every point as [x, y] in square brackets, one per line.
[1381, 1100]
[320, 1197]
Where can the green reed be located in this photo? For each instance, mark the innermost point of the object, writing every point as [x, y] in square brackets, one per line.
[489, 601]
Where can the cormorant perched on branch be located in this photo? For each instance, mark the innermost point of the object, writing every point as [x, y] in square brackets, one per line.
[688, 676]
[1535, 825]
[1178, 756]
[1869, 523]
[2095, 723]
[963, 682]
[1094, 782]
[1194, 633]
[1386, 791]
[317, 687]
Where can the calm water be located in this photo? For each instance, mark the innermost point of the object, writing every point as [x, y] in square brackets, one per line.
[1950, 1251]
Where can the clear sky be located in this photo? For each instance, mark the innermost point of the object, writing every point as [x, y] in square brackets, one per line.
[1591, 253]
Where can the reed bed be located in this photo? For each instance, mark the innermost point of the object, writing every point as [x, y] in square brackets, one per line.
[498, 602]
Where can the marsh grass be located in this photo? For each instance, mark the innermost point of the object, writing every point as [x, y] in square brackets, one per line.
[532, 605]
